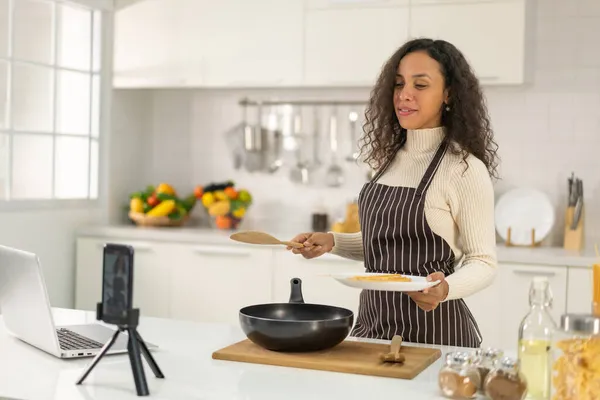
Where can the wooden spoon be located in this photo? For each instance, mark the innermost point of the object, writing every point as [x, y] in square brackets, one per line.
[256, 237]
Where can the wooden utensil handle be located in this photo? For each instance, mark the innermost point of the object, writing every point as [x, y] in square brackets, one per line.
[293, 244]
[391, 357]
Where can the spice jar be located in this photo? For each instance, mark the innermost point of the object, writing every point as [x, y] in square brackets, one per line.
[485, 360]
[505, 381]
[576, 358]
[459, 378]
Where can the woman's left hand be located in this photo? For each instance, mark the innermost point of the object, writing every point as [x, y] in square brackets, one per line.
[431, 297]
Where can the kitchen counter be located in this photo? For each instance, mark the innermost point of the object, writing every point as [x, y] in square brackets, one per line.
[184, 357]
[536, 256]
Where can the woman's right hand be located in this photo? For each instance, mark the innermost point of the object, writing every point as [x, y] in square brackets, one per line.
[315, 244]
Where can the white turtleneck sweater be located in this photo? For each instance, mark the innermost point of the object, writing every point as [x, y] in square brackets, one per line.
[459, 207]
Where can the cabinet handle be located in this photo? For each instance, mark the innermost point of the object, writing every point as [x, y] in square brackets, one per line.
[216, 251]
[274, 82]
[528, 272]
[357, 1]
[142, 247]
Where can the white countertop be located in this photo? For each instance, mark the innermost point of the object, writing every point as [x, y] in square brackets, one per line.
[550, 256]
[190, 373]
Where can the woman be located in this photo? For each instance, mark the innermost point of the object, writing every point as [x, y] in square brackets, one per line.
[430, 206]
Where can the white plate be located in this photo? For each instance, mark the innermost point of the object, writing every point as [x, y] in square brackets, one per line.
[417, 282]
[523, 210]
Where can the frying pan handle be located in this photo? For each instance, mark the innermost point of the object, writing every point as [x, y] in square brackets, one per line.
[296, 291]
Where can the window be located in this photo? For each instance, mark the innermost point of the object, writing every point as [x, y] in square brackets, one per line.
[50, 79]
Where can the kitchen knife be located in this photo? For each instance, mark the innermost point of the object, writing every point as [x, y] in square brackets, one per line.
[578, 205]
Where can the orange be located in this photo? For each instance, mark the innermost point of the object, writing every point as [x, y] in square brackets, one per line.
[198, 192]
[231, 192]
[223, 222]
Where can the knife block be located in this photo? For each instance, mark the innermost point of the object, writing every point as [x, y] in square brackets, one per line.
[573, 239]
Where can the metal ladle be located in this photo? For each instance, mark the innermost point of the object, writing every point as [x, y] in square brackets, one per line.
[335, 173]
[353, 156]
[299, 173]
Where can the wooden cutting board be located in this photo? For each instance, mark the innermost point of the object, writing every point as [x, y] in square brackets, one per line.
[349, 357]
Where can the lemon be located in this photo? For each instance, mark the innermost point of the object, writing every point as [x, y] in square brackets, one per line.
[136, 205]
[239, 213]
[208, 199]
[219, 208]
[220, 195]
[166, 189]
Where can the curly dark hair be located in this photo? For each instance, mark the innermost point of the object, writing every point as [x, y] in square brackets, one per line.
[467, 123]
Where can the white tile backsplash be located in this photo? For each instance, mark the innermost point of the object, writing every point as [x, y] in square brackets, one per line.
[545, 130]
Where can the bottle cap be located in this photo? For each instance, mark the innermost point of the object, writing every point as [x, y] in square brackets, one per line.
[458, 358]
[489, 353]
[509, 364]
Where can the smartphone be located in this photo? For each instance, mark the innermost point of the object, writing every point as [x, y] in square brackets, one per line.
[117, 281]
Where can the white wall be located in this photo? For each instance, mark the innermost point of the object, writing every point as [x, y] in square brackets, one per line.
[545, 129]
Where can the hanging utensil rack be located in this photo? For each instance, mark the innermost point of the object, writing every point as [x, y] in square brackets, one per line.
[284, 139]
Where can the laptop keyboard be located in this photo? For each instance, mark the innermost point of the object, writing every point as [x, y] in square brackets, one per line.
[70, 340]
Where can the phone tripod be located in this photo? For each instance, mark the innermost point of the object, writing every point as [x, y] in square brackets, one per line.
[134, 345]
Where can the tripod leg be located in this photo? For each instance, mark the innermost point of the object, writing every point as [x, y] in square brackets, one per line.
[105, 348]
[136, 364]
[149, 359]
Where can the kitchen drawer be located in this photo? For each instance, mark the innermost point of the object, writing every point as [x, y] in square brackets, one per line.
[515, 281]
[150, 274]
[211, 283]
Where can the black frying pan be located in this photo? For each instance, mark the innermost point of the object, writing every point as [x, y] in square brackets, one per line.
[296, 326]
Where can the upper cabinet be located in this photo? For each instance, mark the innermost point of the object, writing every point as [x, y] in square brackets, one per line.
[348, 46]
[145, 45]
[246, 43]
[478, 30]
[305, 43]
[207, 43]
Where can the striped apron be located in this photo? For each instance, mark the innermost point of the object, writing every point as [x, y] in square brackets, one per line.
[398, 239]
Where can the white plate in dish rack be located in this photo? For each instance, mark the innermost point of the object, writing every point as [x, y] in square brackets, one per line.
[522, 210]
[417, 283]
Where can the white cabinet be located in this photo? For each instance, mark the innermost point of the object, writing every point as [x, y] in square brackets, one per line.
[348, 46]
[181, 281]
[580, 291]
[515, 281]
[211, 283]
[150, 275]
[147, 45]
[249, 43]
[295, 43]
[207, 43]
[500, 307]
[485, 305]
[317, 286]
[479, 31]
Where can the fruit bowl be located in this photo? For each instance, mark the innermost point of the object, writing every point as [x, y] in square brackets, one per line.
[142, 219]
[225, 205]
[160, 206]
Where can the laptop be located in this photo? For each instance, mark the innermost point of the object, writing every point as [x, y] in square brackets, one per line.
[27, 314]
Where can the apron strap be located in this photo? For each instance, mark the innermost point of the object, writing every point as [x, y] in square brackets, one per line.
[432, 169]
